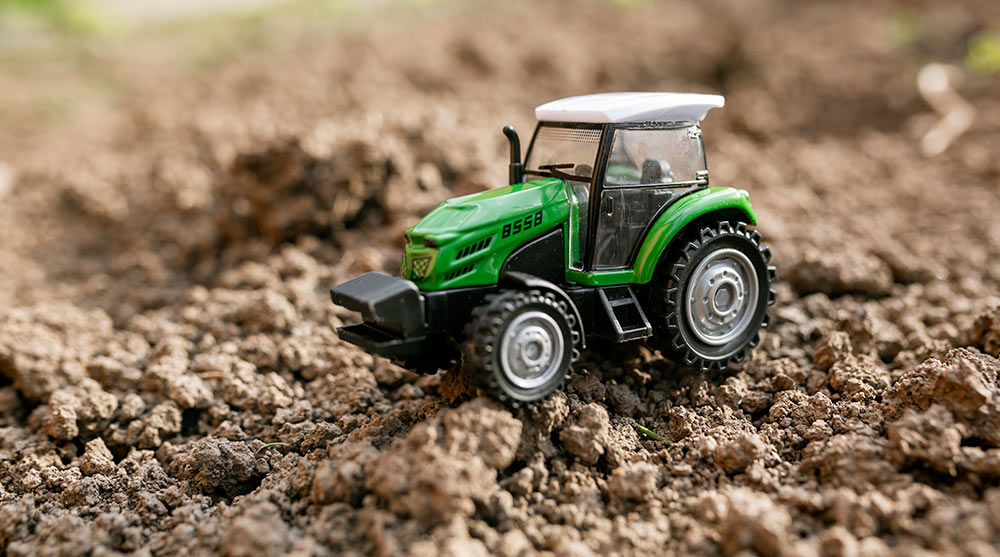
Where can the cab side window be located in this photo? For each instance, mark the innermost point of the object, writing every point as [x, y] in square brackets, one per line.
[654, 156]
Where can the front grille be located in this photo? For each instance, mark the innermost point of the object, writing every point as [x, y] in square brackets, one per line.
[419, 267]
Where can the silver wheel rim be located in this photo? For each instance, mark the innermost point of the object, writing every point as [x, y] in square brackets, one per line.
[721, 297]
[532, 349]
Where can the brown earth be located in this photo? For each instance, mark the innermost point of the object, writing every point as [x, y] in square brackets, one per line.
[171, 382]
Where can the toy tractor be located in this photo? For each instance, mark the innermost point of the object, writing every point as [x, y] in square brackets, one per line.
[609, 229]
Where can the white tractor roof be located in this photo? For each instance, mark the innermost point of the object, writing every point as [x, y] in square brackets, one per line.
[630, 107]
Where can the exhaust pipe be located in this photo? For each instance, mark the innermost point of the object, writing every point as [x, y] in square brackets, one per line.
[516, 168]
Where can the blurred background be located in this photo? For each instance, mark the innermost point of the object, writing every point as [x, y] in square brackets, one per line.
[146, 147]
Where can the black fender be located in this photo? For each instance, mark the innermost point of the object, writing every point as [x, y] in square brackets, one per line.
[530, 282]
[543, 257]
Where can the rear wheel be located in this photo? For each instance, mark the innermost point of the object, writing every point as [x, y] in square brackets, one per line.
[520, 345]
[711, 296]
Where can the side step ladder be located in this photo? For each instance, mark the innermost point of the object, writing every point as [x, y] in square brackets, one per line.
[625, 315]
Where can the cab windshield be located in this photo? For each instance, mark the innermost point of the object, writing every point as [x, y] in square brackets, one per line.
[570, 150]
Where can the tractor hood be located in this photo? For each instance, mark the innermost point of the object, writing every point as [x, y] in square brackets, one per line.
[461, 216]
[465, 240]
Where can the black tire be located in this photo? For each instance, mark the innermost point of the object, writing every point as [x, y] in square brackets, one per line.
[685, 299]
[498, 367]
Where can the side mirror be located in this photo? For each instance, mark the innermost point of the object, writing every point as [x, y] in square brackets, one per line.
[516, 168]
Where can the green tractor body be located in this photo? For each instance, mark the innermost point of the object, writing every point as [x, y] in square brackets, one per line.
[466, 240]
[457, 244]
[610, 229]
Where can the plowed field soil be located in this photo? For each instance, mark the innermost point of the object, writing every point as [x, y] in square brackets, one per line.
[170, 378]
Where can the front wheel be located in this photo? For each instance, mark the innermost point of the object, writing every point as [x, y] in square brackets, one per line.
[711, 296]
[520, 345]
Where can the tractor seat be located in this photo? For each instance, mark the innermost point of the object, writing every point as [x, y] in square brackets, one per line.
[656, 171]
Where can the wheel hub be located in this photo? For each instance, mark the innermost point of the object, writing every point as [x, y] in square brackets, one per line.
[532, 349]
[721, 296]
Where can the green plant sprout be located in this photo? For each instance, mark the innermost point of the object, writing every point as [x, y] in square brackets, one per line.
[648, 433]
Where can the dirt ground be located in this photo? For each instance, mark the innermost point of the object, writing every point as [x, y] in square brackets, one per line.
[170, 379]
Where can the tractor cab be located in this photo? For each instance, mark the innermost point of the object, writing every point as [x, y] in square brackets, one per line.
[624, 156]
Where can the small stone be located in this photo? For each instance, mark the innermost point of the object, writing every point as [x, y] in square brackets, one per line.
[859, 377]
[682, 422]
[633, 482]
[189, 391]
[587, 438]
[97, 459]
[60, 420]
[149, 431]
[833, 348]
[736, 456]
[623, 399]
[221, 465]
